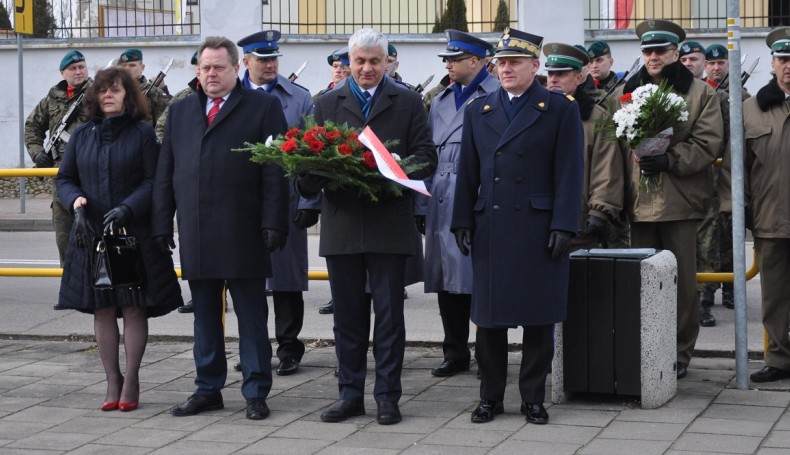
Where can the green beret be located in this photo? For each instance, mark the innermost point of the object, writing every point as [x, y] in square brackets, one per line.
[716, 52]
[690, 47]
[194, 59]
[71, 57]
[131, 55]
[391, 51]
[598, 49]
[659, 33]
[779, 42]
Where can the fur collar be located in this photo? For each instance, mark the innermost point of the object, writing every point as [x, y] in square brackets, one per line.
[586, 103]
[770, 95]
[677, 76]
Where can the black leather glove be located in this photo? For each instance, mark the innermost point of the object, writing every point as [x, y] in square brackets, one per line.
[306, 218]
[42, 159]
[120, 216]
[652, 165]
[419, 221]
[308, 185]
[463, 237]
[596, 227]
[81, 226]
[559, 243]
[273, 239]
[164, 243]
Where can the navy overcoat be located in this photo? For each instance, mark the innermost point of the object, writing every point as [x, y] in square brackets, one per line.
[223, 199]
[518, 181]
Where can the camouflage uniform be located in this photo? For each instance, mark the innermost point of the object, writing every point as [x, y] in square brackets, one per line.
[45, 119]
[157, 100]
[427, 99]
[160, 123]
[714, 239]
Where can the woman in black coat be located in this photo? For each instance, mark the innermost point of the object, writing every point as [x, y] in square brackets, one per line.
[106, 177]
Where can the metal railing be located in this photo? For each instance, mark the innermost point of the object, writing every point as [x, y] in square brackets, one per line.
[690, 14]
[343, 17]
[68, 19]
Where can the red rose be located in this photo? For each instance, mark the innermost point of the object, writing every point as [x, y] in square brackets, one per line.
[316, 146]
[352, 135]
[344, 149]
[289, 146]
[319, 129]
[309, 136]
[626, 98]
[293, 132]
[333, 136]
[370, 161]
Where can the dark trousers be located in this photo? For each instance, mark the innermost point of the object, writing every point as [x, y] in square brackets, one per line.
[347, 277]
[773, 257]
[454, 310]
[255, 349]
[537, 352]
[288, 321]
[679, 237]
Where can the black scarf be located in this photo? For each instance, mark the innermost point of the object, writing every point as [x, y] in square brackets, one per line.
[770, 95]
[678, 78]
[586, 103]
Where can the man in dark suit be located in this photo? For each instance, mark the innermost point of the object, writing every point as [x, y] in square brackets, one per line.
[370, 240]
[231, 214]
[517, 202]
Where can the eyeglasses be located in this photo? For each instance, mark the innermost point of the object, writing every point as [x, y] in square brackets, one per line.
[659, 51]
[455, 60]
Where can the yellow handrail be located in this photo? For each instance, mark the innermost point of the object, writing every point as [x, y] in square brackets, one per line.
[29, 172]
[56, 272]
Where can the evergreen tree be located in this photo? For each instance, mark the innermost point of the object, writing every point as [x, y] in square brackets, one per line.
[5, 19]
[502, 19]
[44, 25]
[453, 17]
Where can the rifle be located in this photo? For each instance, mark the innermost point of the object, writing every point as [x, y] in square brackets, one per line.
[296, 73]
[626, 77]
[159, 78]
[422, 86]
[60, 137]
[746, 74]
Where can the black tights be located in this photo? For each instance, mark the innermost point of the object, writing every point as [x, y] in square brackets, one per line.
[135, 337]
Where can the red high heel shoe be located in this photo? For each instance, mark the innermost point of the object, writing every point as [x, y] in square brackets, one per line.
[110, 405]
[126, 407]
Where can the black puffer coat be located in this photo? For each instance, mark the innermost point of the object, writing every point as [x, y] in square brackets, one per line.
[111, 162]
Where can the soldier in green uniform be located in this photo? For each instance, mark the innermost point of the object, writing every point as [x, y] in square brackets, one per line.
[132, 60]
[766, 173]
[190, 89]
[714, 239]
[601, 61]
[692, 56]
[604, 171]
[45, 118]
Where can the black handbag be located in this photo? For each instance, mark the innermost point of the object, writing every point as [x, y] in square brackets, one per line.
[117, 260]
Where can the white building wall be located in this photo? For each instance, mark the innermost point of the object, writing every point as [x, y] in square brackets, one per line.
[238, 18]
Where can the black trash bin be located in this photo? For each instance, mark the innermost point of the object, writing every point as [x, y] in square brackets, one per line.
[601, 335]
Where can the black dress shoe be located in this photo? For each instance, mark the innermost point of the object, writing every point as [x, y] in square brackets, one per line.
[706, 319]
[769, 374]
[449, 368]
[257, 409]
[681, 369]
[388, 413]
[343, 409]
[486, 410]
[237, 367]
[337, 372]
[197, 404]
[327, 308]
[188, 307]
[288, 365]
[535, 413]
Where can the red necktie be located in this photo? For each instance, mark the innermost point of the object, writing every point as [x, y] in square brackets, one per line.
[212, 113]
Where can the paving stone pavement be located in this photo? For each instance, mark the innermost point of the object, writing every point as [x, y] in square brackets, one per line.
[50, 392]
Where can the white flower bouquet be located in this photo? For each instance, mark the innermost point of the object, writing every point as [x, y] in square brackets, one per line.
[647, 119]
